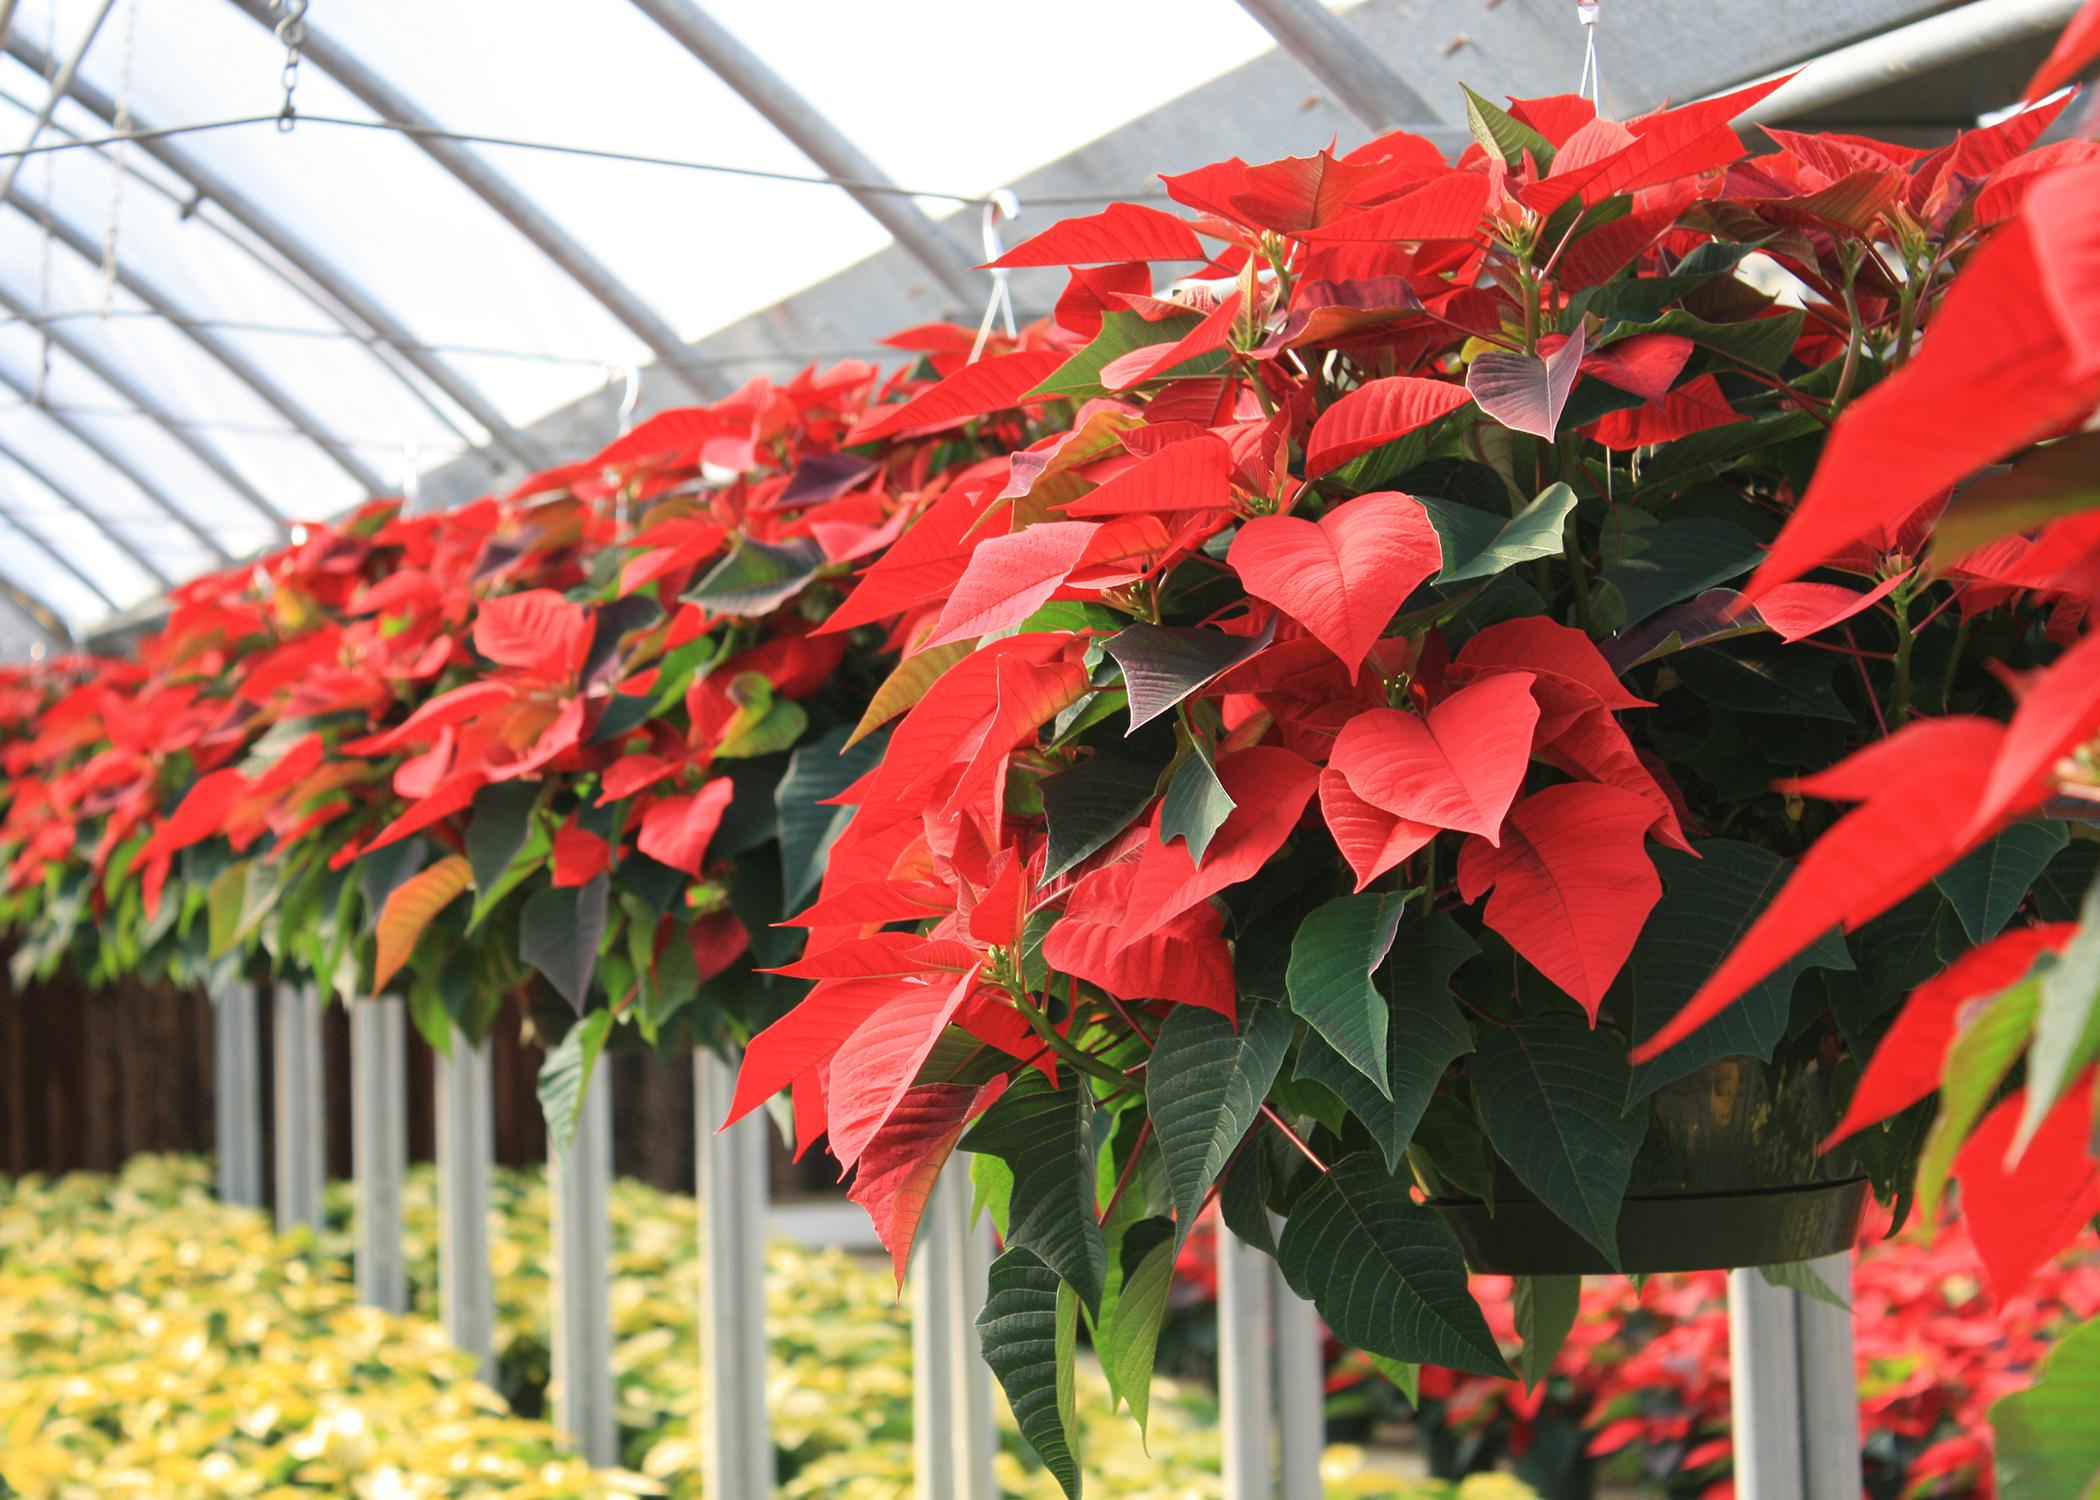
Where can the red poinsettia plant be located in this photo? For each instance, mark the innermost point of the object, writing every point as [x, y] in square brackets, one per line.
[1414, 679]
[1349, 734]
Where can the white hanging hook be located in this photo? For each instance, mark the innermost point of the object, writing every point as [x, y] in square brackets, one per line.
[630, 397]
[411, 474]
[1002, 204]
[1592, 79]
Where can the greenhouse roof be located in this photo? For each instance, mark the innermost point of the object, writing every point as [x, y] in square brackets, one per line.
[207, 334]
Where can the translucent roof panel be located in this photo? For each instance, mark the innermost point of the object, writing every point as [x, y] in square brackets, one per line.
[258, 347]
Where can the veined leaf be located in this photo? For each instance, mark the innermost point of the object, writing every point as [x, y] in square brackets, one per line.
[1545, 1309]
[1337, 950]
[1091, 803]
[1666, 563]
[1477, 545]
[1128, 1337]
[558, 934]
[1551, 1094]
[1029, 1331]
[1425, 1034]
[1384, 1270]
[1987, 885]
[1502, 134]
[1045, 1136]
[1196, 804]
[1800, 1276]
[1344, 576]
[2066, 1022]
[1204, 1087]
[2048, 1445]
[410, 908]
[758, 577]
[1163, 665]
[566, 1074]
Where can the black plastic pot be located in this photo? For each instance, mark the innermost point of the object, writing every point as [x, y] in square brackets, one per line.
[1730, 1175]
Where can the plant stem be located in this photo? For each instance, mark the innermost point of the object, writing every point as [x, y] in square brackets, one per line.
[1906, 638]
[1853, 339]
[1269, 1113]
[1129, 1170]
[1085, 1062]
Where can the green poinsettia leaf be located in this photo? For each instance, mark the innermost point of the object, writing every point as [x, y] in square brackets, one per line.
[1545, 1308]
[1045, 1136]
[1708, 904]
[558, 933]
[758, 577]
[1091, 803]
[1164, 664]
[1204, 1087]
[1987, 885]
[1552, 1098]
[816, 771]
[2066, 1022]
[1127, 1339]
[566, 1074]
[1029, 1331]
[1477, 544]
[2048, 1445]
[1336, 951]
[1385, 1271]
[1977, 1062]
[1425, 1033]
[1196, 803]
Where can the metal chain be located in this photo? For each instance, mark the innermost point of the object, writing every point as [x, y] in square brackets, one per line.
[291, 30]
[117, 170]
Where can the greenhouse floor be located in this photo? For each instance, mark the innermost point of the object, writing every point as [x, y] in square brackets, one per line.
[160, 1344]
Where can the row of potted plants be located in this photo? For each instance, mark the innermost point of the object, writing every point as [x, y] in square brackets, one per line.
[1350, 736]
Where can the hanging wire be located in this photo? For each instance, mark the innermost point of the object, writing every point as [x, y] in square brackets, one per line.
[478, 351]
[558, 148]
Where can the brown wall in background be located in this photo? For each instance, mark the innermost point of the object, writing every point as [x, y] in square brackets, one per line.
[89, 1078]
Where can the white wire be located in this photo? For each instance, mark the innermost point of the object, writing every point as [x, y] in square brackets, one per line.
[1592, 83]
[1001, 204]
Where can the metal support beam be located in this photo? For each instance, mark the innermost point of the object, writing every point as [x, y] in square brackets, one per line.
[494, 189]
[736, 1441]
[132, 394]
[465, 1155]
[1301, 1392]
[1342, 64]
[236, 364]
[236, 1093]
[1906, 52]
[46, 616]
[818, 139]
[1246, 1392]
[579, 1192]
[150, 488]
[297, 1099]
[57, 558]
[379, 1148]
[62, 82]
[953, 1431]
[341, 298]
[87, 513]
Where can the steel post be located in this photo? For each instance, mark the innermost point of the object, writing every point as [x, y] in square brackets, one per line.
[579, 1183]
[236, 1094]
[465, 1154]
[379, 1148]
[302, 1161]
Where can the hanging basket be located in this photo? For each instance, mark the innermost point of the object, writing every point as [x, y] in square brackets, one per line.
[1730, 1175]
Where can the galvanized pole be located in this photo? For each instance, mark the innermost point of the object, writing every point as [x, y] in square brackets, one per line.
[953, 1431]
[1829, 1387]
[302, 1162]
[236, 1094]
[1301, 1392]
[580, 1188]
[1765, 1388]
[735, 1438]
[465, 1153]
[1246, 1394]
[379, 1148]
